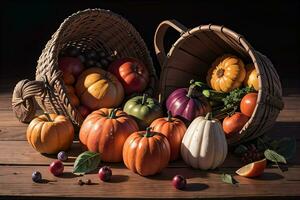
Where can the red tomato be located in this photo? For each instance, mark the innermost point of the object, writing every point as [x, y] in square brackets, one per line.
[248, 104]
[71, 68]
[132, 73]
[234, 123]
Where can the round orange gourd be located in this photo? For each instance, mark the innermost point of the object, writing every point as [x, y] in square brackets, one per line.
[146, 152]
[251, 79]
[105, 131]
[97, 88]
[173, 129]
[226, 73]
[50, 133]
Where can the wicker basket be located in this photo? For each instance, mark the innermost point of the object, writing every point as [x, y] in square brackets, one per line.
[91, 28]
[191, 56]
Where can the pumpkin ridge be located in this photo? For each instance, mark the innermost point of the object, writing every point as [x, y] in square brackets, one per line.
[202, 128]
[32, 128]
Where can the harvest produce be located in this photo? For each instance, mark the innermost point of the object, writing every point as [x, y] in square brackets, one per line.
[62, 156]
[251, 79]
[173, 129]
[188, 103]
[36, 177]
[253, 169]
[145, 109]
[97, 88]
[146, 152]
[179, 182]
[204, 145]
[84, 111]
[232, 124]
[50, 133]
[132, 74]
[248, 104]
[56, 168]
[71, 68]
[89, 57]
[226, 73]
[105, 173]
[105, 131]
[231, 102]
[72, 96]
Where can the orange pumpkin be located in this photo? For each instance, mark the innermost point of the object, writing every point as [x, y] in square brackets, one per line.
[226, 73]
[173, 129]
[146, 152]
[105, 131]
[97, 88]
[50, 133]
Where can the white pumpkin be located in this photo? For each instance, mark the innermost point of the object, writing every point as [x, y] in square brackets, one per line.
[204, 145]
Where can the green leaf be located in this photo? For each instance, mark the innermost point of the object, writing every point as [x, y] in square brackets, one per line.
[86, 162]
[274, 157]
[227, 178]
[287, 147]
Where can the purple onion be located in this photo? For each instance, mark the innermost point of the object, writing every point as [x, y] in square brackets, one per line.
[187, 103]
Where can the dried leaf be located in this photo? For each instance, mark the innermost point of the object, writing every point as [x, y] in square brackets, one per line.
[227, 178]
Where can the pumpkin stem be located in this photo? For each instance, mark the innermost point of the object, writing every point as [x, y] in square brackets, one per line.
[48, 116]
[169, 116]
[112, 114]
[191, 90]
[145, 95]
[220, 73]
[148, 132]
[208, 116]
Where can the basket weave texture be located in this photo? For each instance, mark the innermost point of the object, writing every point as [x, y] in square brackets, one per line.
[191, 56]
[93, 29]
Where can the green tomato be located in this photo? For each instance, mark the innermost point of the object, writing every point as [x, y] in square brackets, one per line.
[144, 109]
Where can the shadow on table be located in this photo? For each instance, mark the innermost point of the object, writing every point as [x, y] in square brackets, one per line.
[269, 176]
[192, 187]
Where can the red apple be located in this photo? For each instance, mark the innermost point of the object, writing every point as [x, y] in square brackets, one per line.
[71, 68]
[132, 73]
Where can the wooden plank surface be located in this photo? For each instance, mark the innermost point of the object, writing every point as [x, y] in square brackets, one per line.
[16, 181]
[18, 160]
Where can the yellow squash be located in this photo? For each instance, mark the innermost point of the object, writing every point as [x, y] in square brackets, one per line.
[97, 88]
[226, 73]
[251, 79]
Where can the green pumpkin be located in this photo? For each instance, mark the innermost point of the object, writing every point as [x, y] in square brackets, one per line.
[144, 109]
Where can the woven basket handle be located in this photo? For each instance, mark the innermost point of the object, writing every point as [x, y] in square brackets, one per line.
[160, 36]
[23, 99]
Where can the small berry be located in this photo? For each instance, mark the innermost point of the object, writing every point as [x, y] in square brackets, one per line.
[179, 182]
[62, 156]
[36, 177]
[105, 173]
[56, 168]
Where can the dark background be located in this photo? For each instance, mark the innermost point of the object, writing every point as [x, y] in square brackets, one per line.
[271, 27]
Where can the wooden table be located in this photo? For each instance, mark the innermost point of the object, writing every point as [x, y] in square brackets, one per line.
[18, 160]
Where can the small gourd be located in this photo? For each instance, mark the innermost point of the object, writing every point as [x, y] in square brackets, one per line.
[204, 145]
[226, 73]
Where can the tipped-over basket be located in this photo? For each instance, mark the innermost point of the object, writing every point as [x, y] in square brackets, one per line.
[88, 29]
[191, 56]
